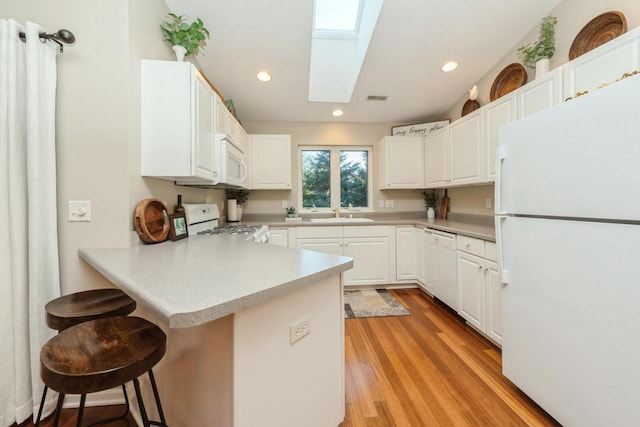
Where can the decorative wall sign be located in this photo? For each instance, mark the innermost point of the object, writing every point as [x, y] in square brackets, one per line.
[422, 129]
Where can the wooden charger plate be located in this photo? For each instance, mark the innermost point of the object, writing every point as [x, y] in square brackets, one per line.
[469, 107]
[151, 220]
[509, 79]
[598, 31]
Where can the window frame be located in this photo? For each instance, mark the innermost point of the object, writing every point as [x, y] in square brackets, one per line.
[335, 176]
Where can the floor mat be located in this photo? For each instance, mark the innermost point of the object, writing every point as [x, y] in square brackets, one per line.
[371, 303]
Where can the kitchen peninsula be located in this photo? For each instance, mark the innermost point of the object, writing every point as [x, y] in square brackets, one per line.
[228, 307]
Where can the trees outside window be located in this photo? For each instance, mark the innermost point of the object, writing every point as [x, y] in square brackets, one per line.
[332, 176]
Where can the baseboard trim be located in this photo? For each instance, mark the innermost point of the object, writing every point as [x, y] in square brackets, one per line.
[101, 398]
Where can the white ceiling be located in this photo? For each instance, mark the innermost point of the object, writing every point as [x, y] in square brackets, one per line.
[412, 40]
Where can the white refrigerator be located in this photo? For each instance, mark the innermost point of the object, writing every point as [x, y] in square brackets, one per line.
[568, 232]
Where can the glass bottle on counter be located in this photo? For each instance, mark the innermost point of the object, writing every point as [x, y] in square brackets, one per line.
[179, 209]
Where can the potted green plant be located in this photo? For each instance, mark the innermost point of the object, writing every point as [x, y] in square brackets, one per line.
[236, 198]
[430, 200]
[291, 212]
[185, 37]
[537, 55]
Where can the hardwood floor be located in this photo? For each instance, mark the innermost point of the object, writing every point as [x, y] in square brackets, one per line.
[427, 369]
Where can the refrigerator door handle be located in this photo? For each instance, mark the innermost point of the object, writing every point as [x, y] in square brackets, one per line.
[504, 273]
[500, 158]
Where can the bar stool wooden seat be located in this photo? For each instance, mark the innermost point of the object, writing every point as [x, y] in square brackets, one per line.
[69, 310]
[101, 354]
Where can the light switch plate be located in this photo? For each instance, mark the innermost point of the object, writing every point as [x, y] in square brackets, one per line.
[381, 203]
[79, 211]
[389, 203]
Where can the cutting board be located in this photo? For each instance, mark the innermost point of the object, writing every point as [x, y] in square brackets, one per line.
[151, 219]
[444, 205]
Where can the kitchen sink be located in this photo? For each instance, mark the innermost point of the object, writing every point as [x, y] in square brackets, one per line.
[339, 220]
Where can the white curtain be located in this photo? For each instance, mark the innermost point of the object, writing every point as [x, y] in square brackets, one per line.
[29, 269]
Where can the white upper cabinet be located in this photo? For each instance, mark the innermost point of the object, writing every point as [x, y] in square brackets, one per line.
[270, 164]
[467, 146]
[401, 162]
[436, 159]
[499, 113]
[177, 122]
[221, 121]
[540, 94]
[603, 65]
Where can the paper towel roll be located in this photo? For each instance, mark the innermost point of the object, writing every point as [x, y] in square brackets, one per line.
[232, 210]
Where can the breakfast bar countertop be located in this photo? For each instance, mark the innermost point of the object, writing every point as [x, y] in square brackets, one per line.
[196, 280]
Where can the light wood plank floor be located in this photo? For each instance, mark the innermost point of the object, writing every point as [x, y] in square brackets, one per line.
[427, 369]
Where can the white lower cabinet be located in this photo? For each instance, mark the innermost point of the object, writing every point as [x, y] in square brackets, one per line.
[279, 237]
[479, 286]
[406, 259]
[369, 246]
[419, 255]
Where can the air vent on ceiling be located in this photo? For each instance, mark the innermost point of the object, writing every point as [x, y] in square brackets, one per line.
[376, 98]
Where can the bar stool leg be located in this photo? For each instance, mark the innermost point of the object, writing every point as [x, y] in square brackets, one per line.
[143, 412]
[56, 418]
[44, 397]
[83, 399]
[156, 395]
[119, 417]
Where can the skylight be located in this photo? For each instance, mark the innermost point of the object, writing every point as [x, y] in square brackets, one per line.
[339, 42]
[336, 15]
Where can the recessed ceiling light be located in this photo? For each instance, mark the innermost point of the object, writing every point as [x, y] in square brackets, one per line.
[450, 66]
[337, 113]
[263, 76]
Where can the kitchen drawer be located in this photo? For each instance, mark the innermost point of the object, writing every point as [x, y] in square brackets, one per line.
[440, 239]
[318, 232]
[491, 251]
[366, 231]
[471, 245]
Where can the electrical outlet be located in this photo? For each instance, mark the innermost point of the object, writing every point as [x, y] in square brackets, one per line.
[389, 203]
[381, 203]
[487, 203]
[299, 329]
[284, 204]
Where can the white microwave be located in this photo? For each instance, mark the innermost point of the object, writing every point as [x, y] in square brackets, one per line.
[229, 167]
[232, 167]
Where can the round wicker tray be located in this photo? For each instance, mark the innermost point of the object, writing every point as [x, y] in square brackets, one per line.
[598, 31]
[510, 78]
[469, 107]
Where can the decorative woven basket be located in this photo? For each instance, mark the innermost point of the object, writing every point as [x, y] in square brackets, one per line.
[509, 79]
[598, 31]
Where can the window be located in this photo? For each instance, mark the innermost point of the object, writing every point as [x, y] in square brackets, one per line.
[332, 176]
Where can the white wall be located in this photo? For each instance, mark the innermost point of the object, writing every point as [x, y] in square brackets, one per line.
[327, 133]
[97, 121]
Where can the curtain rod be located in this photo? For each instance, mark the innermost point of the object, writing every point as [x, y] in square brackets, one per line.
[59, 37]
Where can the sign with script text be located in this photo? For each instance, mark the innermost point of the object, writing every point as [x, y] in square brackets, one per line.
[423, 129]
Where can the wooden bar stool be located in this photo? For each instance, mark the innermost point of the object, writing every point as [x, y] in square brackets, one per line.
[70, 310]
[101, 354]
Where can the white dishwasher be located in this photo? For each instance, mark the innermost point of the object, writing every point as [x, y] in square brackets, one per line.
[440, 266]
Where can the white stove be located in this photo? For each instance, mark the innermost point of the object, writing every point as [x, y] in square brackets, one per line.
[204, 219]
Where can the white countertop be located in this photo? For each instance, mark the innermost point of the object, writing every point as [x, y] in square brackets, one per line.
[203, 278]
[478, 226]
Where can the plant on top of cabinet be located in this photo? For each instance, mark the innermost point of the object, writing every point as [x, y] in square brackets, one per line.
[184, 37]
[543, 49]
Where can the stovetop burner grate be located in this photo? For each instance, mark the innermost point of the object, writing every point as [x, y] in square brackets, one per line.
[232, 229]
